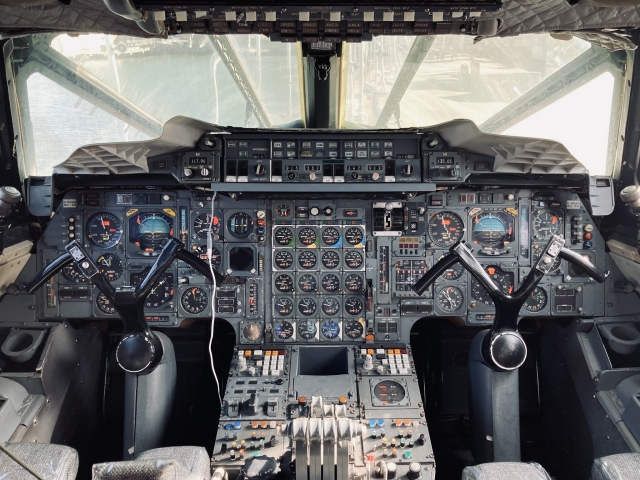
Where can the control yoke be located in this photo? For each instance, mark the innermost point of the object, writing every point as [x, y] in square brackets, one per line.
[139, 350]
[503, 348]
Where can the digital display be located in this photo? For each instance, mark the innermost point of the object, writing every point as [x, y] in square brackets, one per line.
[197, 160]
[445, 161]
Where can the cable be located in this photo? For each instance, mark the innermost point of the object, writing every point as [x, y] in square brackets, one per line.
[213, 294]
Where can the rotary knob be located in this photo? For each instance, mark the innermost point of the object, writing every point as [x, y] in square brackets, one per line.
[414, 471]
[315, 211]
[204, 171]
[407, 170]
[259, 170]
[375, 176]
[188, 172]
[328, 211]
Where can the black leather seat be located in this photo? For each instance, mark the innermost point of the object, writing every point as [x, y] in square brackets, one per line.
[506, 471]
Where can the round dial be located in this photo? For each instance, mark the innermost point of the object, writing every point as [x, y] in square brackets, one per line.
[354, 236]
[162, 291]
[307, 283]
[283, 306]
[503, 279]
[353, 259]
[354, 283]
[330, 329]
[283, 236]
[389, 392]
[203, 224]
[330, 236]
[73, 274]
[240, 225]
[307, 259]
[307, 306]
[194, 300]
[251, 332]
[445, 229]
[284, 330]
[149, 230]
[537, 253]
[452, 273]
[353, 329]
[283, 259]
[111, 266]
[536, 300]
[283, 283]
[353, 306]
[450, 299]
[330, 259]
[283, 210]
[307, 236]
[104, 230]
[201, 252]
[104, 305]
[307, 329]
[330, 283]
[330, 306]
[546, 223]
[493, 229]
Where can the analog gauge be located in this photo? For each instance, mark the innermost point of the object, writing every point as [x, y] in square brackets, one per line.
[330, 329]
[330, 259]
[104, 305]
[330, 283]
[493, 229]
[307, 329]
[240, 225]
[330, 306]
[283, 306]
[73, 273]
[503, 279]
[203, 224]
[330, 236]
[162, 291]
[450, 299]
[111, 266]
[284, 330]
[307, 259]
[283, 259]
[307, 283]
[354, 283]
[389, 392]
[546, 223]
[537, 253]
[149, 230]
[353, 329]
[283, 283]
[353, 236]
[445, 229]
[353, 306]
[283, 210]
[104, 230]
[307, 236]
[194, 300]
[200, 251]
[307, 306]
[251, 332]
[283, 236]
[353, 259]
[452, 273]
[536, 300]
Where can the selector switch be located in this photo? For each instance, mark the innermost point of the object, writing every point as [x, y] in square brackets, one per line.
[259, 170]
[407, 170]
[414, 471]
[252, 406]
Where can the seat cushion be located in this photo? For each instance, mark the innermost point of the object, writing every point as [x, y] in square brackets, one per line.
[506, 471]
[195, 459]
[52, 462]
[623, 466]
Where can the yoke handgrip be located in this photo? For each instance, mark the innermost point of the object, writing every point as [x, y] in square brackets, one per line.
[433, 274]
[579, 261]
[47, 272]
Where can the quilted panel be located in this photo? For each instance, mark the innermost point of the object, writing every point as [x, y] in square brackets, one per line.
[624, 466]
[52, 462]
[505, 471]
[142, 470]
[196, 459]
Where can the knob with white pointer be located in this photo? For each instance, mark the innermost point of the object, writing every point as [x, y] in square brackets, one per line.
[407, 170]
[259, 170]
[204, 171]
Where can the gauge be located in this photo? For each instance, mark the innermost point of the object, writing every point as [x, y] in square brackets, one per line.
[546, 223]
[450, 299]
[284, 330]
[149, 230]
[330, 306]
[104, 230]
[330, 259]
[307, 283]
[162, 291]
[111, 266]
[307, 329]
[73, 273]
[194, 300]
[353, 259]
[201, 252]
[284, 210]
[203, 224]
[536, 300]
[240, 225]
[353, 329]
[353, 306]
[493, 229]
[283, 283]
[389, 392]
[251, 332]
[307, 259]
[283, 306]
[283, 259]
[538, 250]
[105, 305]
[445, 229]
[354, 283]
[503, 279]
[307, 236]
[330, 329]
[452, 273]
[330, 283]
[283, 236]
[353, 236]
[330, 236]
[307, 306]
